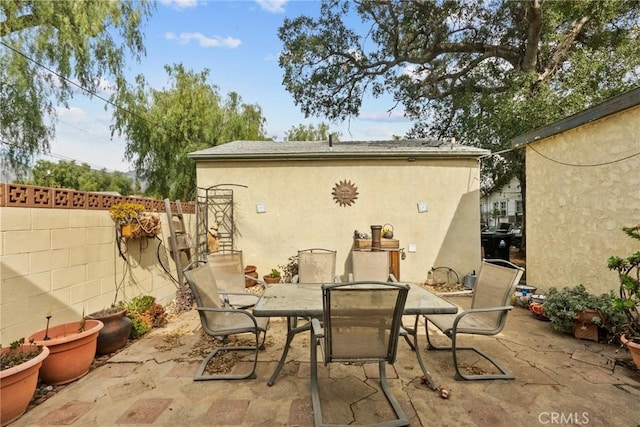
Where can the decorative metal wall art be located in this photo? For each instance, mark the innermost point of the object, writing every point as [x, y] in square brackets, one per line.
[345, 193]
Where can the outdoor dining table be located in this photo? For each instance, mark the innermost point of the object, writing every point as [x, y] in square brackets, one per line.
[293, 300]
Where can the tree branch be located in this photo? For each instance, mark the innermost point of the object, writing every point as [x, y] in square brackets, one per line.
[562, 50]
[533, 14]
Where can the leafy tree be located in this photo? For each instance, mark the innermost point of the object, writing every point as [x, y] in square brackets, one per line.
[310, 133]
[482, 71]
[44, 45]
[162, 126]
[69, 174]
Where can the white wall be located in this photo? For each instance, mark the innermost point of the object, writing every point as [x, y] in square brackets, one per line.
[301, 213]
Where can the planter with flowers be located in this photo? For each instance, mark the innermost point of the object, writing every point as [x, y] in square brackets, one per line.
[628, 302]
[19, 367]
[133, 221]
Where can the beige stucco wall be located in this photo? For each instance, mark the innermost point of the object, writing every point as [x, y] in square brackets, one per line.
[65, 261]
[575, 214]
[301, 213]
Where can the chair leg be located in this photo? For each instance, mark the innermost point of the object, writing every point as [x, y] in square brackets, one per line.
[401, 420]
[505, 374]
[430, 345]
[200, 373]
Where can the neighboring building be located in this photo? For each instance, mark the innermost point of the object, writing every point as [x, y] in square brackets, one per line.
[503, 205]
[583, 186]
[285, 198]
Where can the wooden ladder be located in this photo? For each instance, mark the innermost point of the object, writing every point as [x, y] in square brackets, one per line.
[179, 239]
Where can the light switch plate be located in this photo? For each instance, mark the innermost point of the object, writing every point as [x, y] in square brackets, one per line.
[422, 207]
[412, 247]
[261, 208]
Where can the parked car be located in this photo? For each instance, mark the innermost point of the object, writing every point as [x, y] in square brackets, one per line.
[516, 239]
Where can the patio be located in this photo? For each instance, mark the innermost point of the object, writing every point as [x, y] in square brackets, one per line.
[559, 381]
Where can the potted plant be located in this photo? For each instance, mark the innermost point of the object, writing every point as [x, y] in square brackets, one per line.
[72, 348]
[273, 277]
[19, 367]
[133, 220]
[573, 309]
[117, 326]
[145, 313]
[628, 301]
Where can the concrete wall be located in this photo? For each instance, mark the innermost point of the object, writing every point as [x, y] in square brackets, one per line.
[301, 212]
[575, 214]
[64, 261]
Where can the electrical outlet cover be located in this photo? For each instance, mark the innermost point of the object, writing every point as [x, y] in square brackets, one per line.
[422, 207]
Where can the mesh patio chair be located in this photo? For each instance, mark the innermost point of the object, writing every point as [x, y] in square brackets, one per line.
[374, 265]
[361, 324]
[315, 266]
[228, 270]
[370, 265]
[494, 286]
[221, 321]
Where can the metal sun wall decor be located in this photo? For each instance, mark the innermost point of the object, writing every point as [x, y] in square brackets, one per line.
[345, 193]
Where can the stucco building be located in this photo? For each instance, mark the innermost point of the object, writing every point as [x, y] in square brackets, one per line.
[583, 186]
[288, 196]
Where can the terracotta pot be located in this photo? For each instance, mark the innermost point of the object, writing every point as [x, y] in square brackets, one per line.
[269, 279]
[115, 333]
[70, 352]
[634, 348]
[584, 328]
[250, 270]
[18, 384]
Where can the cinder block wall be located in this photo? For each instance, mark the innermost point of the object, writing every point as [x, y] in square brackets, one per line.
[66, 261]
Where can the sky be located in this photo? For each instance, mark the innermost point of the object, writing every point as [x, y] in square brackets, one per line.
[238, 42]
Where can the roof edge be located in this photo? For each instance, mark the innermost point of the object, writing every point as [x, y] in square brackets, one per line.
[611, 106]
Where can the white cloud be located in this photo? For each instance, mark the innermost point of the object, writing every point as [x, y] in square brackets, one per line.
[180, 4]
[73, 115]
[273, 6]
[204, 41]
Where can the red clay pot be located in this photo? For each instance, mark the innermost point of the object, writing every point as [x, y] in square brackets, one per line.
[634, 348]
[18, 384]
[70, 352]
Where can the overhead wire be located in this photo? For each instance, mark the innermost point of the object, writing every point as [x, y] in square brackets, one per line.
[590, 165]
[92, 93]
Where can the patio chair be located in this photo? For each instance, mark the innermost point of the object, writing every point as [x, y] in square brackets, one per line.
[370, 265]
[315, 266]
[221, 321]
[361, 324]
[228, 269]
[374, 265]
[494, 286]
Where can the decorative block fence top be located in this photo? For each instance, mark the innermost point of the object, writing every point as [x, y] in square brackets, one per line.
[31, 196]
